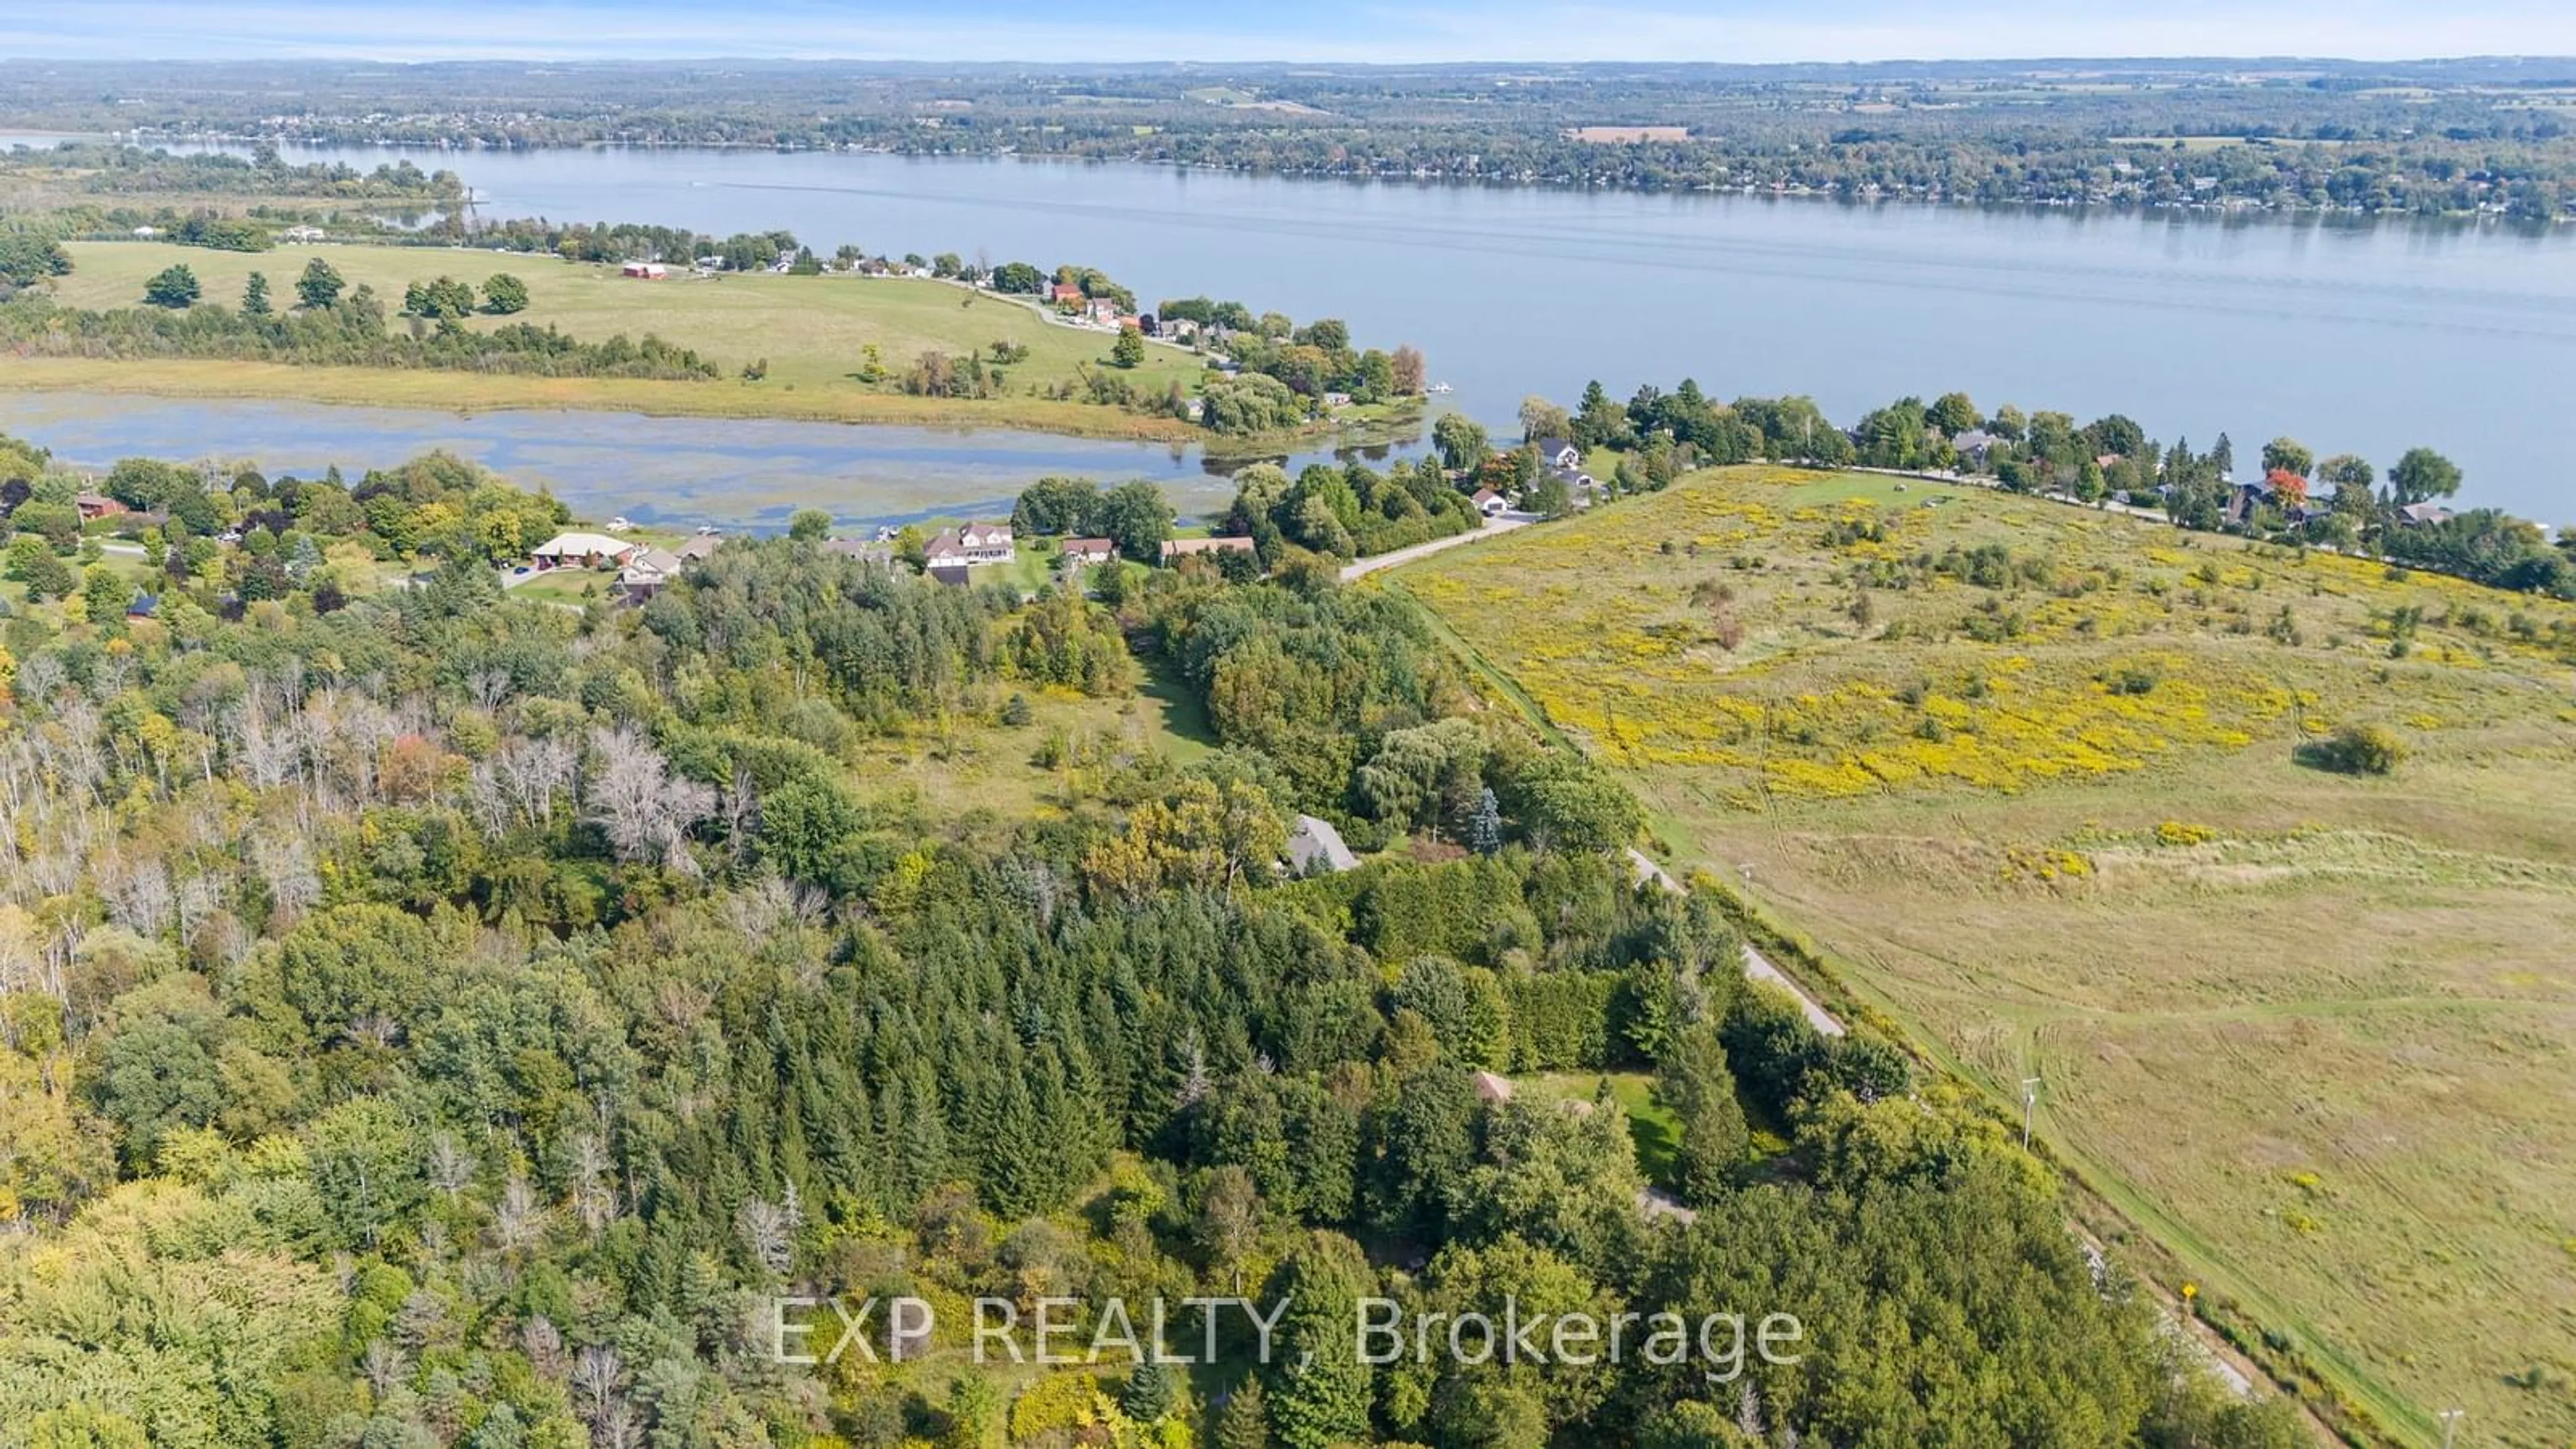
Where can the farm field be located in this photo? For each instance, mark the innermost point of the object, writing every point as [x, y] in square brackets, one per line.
[812, 331]
[2036, 781]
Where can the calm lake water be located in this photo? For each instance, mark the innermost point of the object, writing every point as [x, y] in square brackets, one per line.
[674, 470]
[2351, 336]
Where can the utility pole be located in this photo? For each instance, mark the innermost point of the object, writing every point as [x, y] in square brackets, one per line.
[2029, 1100]
[2450, 1424]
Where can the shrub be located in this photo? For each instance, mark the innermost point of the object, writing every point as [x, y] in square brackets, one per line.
[2360, 750]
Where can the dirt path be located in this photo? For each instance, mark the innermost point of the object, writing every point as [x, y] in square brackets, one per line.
[1756, 966]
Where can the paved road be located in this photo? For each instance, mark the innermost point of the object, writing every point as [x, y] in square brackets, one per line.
[1360, 568]
[1756, 966]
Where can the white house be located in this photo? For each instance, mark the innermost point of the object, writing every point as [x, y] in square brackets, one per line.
[582, 550]
[646, 573]
[976, 543]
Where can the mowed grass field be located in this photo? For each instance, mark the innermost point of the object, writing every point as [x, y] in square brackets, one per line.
[813, 332]
[2315, 1033]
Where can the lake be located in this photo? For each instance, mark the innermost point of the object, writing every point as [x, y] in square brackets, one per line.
[744, 474]
[2350, 335]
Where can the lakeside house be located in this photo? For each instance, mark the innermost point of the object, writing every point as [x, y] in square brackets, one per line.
[876, 553]
[646, 573]
[1176, 549]
[976, 543]
[1314, 846]
[1085, 552]
[582, 550]
[645, 271]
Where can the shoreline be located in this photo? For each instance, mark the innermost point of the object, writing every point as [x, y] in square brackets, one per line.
[2237, 211]
[470, 393]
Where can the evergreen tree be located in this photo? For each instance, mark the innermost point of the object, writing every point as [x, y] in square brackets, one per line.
[1485, 827]
[174, 287]
[1148, 1395]
[320, 286]
[1244, 1422]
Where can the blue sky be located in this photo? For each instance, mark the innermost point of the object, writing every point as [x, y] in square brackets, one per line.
[1344, 30]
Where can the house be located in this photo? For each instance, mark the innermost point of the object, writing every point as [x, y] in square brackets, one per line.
[94, 506]
[1176, 549]
[1558, 453]
[876, 553]
[1084, 552]
[582, 550]
[1490, 503]
[1314, 846]
[645, 271]
[2422, 515]
[2244, 498]
[646, 573]
[976, 543]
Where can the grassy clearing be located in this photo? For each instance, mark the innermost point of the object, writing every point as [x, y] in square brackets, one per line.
[813, 332]
[1656, 1132]
[2312, 1032]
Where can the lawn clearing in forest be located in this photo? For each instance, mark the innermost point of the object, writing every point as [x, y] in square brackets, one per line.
[2036, 780]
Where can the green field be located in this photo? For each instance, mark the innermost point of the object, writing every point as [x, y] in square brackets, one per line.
[813, 332]
[2315, 1034]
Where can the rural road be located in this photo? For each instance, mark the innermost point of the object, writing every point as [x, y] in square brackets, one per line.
[1360, 568]
[1756, 966]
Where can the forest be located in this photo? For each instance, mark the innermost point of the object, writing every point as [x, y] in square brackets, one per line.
[430, 1017]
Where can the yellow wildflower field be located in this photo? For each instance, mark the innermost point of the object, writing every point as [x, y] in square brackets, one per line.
[2032, 778]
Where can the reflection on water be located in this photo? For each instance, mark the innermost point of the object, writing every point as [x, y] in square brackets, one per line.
[743, 473]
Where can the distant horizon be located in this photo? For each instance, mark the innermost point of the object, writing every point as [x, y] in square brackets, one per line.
[1251, 63]
[1496, 32]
